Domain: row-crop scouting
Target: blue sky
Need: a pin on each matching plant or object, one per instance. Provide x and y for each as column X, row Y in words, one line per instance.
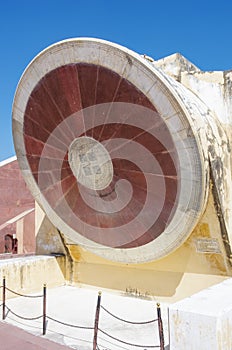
column 199, row 30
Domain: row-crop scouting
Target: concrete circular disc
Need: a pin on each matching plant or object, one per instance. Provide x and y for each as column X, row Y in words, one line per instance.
column 139, row 196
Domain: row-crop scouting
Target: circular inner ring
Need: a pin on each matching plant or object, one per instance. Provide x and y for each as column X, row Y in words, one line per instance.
column 90, row 163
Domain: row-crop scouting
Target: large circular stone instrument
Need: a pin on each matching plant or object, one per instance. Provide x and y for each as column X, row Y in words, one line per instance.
column 108, row 147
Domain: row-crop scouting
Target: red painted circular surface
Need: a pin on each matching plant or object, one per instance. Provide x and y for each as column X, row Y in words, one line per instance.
column 62, row 93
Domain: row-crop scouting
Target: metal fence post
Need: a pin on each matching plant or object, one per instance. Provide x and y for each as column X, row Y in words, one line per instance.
column 44, row 308
column 96, row 321
column 160, row 325
column 4, row 298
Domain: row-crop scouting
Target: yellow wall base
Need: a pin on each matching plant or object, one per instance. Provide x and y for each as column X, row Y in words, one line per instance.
column 180, row 274
column 192, row 267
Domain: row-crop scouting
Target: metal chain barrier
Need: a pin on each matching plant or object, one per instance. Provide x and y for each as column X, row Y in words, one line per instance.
column 96, row 328
column 126, row 321
column 97, row 314
column 68, row 324
column 44, row 315
column 24, row 295
column 124, row 342
column 22, row 317
column 5, row 307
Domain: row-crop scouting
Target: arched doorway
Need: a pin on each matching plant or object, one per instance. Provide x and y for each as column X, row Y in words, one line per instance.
column 11, row 244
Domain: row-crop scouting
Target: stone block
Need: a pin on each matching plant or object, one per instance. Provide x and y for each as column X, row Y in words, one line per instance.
column 204, row 320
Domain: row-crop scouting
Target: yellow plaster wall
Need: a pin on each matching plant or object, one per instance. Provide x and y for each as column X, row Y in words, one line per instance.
column 28, row 274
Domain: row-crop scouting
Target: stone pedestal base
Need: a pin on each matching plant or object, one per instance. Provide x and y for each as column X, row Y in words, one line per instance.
column 204, row 320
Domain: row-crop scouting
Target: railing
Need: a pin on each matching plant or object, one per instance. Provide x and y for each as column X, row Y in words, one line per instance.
column 95, row 328
column 4, row 306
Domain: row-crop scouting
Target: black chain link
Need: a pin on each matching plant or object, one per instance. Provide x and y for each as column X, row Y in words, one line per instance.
column 121, row 319
column 67, row 324
column 23, row 295
column 23, row 318
column 124, row 342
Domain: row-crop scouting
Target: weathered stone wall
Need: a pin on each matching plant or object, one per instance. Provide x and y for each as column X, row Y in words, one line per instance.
column 214, row 89
column 28, row 274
